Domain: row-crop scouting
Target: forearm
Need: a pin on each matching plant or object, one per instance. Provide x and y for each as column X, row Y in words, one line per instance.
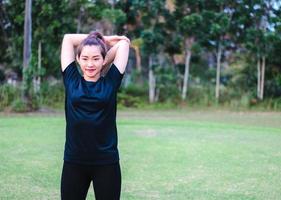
column 111, row 53
column 74, row 39
column 111, row 40
column 110, row 56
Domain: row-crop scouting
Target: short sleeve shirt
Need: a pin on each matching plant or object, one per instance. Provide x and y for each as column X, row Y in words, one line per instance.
column 90, row 112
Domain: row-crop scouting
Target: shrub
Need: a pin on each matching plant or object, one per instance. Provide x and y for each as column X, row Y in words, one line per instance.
column 7, row 95
column 200, row 95
column 125, row 100
column 132, row 96
column 52, row 95
column 166, row 85
column 18, row 105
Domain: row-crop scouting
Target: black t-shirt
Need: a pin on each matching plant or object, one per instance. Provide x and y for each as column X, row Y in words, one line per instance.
column 90, row 112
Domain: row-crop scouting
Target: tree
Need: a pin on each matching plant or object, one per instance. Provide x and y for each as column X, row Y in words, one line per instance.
column 152, row 37
column 217, row 20
column 3, row 33
column 27, row 48
column 188, row 15
column 259, row 37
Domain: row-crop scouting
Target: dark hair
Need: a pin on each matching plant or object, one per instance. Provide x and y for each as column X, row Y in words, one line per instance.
column 94, row 38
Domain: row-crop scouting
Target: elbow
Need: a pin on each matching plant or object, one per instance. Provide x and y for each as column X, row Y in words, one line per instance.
column 125, row 44
column 66, row 36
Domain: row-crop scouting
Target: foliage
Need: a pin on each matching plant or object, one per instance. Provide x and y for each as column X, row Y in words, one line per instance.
column 201, row 95
column 167, row 85
column 2, row 76
column 115, row 16
column 250, row 29
column 132, row 96
column 18, row 105
column 8, row 94
column 52, row 95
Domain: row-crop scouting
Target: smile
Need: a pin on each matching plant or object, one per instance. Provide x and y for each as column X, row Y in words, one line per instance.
column 90, row 70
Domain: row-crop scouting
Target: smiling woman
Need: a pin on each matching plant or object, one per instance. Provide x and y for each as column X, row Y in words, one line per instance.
column 91, row 152
column 91, row 62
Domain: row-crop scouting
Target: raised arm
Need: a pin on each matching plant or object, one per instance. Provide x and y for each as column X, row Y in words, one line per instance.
column 118, row 53
column 69, row 42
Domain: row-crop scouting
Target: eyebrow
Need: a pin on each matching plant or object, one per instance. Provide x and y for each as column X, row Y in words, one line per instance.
column 92, row 56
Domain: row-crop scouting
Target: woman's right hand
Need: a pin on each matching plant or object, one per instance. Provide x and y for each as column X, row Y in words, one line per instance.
column 112, row 40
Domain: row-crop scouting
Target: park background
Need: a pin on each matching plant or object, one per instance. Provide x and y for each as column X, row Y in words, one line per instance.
column 183, row 53
column 198, row 109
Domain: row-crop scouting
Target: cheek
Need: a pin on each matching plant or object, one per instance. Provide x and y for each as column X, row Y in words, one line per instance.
column 99, row 63
column 82, row 66
column 81, row 62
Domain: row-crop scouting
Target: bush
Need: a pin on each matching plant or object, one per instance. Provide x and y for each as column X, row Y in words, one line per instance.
column 135, row 90
column 136, row 96
column 200, row 95
column 269, row 104
column 166, row 85
column 125, row 100
column 19, row 106
column 49, row 95
column 52, row 95
column 132, row 96
column 34, row 102
column 7, row 95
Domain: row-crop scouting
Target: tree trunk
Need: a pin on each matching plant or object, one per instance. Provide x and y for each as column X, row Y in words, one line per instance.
column 262, row 77
column 2, row 21
column 37, row 83
column 152, row 82
column 188, row 45
column 79, row 19
column 27, row 48
column 113, row 3
column 258, row 78
column 218, row 71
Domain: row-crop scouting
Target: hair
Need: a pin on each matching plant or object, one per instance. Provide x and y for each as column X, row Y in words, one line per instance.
column 94, row 38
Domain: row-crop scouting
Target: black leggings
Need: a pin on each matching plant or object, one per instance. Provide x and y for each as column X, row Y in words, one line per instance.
column 76, row 179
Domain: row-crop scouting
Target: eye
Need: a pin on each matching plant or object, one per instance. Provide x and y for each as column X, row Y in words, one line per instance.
column 84, row 59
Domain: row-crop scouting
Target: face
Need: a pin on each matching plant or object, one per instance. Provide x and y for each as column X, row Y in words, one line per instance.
column 91, row 62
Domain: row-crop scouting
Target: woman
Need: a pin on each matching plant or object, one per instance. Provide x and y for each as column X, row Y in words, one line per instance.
column 91, row 152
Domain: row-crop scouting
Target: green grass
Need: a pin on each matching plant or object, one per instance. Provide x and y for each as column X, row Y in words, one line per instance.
column 175, row 155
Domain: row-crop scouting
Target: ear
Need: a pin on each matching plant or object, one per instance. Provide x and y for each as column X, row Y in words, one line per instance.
column 77, row 59
column 104, row 62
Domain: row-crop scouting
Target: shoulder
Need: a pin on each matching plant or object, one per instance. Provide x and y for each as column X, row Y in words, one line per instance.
column 70, row 73
column 114, row 72
column 114, row 75
column 69, row 67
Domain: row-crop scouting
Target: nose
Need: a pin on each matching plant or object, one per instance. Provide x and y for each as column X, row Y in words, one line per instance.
column 90, row 64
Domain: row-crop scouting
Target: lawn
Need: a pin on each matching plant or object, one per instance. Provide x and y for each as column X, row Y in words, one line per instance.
column 177, row 155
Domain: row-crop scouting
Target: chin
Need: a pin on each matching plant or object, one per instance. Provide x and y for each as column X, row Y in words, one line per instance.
column 91, row 75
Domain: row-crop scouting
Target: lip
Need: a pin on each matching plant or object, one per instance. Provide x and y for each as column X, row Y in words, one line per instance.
column 90, row 70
